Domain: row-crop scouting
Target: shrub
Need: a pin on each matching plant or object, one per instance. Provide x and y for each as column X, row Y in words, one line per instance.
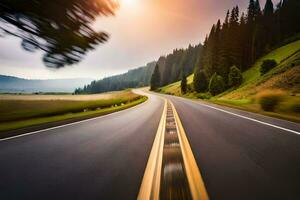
column 267, row 65
column 269, row 99
column 295, row 107
column 190, row 88
column 203, row 96
column 200, row 81
column 235, row 77
column 216, row 85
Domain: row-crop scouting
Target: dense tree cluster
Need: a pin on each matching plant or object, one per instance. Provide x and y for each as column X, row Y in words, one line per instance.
column 242, row 38
column 200, row 81
column 134, row 78
column 60, row 28
column 180, row 61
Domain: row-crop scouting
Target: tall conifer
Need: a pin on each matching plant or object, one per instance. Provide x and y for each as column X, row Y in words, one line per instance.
column 155, row 79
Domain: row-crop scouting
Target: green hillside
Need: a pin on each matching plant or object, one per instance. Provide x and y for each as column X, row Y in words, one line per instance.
column 285, row 76
column 288, row 58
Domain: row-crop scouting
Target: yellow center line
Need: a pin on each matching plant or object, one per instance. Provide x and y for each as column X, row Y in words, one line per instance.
column 150, row 187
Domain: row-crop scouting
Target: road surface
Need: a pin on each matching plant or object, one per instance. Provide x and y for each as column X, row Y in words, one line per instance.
column 240, row 158
column 104, row 158
column 240, row 155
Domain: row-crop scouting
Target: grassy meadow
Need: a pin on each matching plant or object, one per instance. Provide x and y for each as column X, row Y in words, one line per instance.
column 18, row 111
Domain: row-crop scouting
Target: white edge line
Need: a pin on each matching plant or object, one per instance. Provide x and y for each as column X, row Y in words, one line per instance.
column 248, row 118
column 73, row 123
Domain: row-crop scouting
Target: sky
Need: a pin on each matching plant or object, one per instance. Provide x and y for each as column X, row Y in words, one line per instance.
column 140, row 32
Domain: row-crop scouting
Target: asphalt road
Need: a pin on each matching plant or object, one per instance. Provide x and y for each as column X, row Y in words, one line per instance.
column 105, row 158
column 241, row 159
column 101, row 159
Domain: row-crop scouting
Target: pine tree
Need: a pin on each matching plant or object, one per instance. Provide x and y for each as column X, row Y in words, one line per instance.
column 209, row 55
column 63, row 29
column 235, row 77
column 269, row 8
column 259, row 33
column 216, row 84
column 183, row 84
column 234, row 50
column 224, row 47
column 216, row 47
column 257, row 8
column 268, row 23
column 251, row 14
column 200, row 81
column 203, row 52
column 243, row 44
column 155, row 79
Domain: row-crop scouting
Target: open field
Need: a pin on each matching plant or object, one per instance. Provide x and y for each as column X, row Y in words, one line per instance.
column 17, row 112
column 69, row 97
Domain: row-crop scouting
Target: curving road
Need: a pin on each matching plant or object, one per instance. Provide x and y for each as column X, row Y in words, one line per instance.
column 240, row 155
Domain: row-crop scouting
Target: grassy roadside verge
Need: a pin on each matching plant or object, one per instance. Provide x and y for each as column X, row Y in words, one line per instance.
column 250, row 106
column 14, row 125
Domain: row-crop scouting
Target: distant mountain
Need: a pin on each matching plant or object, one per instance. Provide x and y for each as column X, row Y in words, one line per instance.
column 133, row 78
column 11, row 84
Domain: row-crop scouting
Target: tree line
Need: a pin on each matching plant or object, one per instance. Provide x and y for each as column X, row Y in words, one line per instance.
column 139, row 77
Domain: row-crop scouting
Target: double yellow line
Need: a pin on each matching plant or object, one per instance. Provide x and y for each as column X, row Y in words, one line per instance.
column 150, row 187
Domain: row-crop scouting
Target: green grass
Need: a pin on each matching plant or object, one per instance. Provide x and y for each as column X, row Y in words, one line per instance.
column 279, row 55
column 236, row 102
column 19, row 114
